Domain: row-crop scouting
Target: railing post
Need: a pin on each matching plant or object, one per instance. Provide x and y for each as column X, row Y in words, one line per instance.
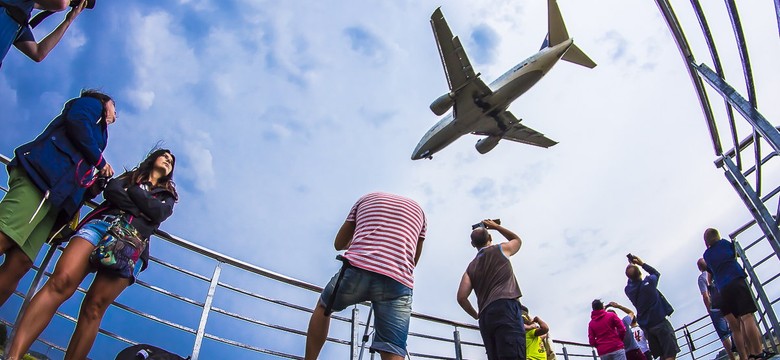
column 565, row 353
column 204, row 317
column 595, row 356
column 34, row 287
column 353, row 347
column 458, row 350
column 689, row 340
column 765, row 303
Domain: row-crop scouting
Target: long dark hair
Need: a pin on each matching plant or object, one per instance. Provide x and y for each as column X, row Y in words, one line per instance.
column 141, row 172
column 103, row 97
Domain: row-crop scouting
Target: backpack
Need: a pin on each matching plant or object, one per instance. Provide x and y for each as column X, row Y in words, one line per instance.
column 148, row 352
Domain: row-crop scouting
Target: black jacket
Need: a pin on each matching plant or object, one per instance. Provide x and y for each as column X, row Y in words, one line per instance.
column 149, row 208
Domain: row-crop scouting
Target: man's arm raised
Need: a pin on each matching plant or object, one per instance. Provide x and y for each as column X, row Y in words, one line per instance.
column 512, row 246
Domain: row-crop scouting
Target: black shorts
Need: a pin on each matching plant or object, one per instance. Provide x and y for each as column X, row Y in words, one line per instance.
column 502, row 330
column 737, row 299
column 662, row 341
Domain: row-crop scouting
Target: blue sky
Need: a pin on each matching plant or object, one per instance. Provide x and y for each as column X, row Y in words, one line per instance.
column 282, row 114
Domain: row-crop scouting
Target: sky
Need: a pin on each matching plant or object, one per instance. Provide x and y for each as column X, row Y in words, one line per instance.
column 282, row 114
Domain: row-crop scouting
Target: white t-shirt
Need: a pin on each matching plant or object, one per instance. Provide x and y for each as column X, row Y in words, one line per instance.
column 641, row 339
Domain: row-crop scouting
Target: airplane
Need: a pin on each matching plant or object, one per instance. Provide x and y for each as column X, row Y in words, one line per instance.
column 480, row 109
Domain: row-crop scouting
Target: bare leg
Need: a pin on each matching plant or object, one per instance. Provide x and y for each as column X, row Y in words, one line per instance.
column 14, row 267
column 739, row 336
column 71, row 269
column 727, row 345
column 103, row 291
column 390, row 356
column 317, row 332
column 752, row 334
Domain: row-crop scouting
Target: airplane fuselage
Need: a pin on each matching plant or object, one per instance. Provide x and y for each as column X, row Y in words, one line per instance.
column 505, row 89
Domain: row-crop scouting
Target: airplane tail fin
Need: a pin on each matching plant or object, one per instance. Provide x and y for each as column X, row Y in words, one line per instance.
column 556, row 29
column 557, row 34
column 576, row 56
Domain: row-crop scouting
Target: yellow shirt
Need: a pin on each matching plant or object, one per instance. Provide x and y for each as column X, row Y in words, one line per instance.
column 534, row 347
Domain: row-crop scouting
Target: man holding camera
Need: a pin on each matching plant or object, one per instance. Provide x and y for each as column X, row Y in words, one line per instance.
column 383, row 235
column 651, row 308
column 37, row 51
column 14, row 16
column 491, row 277
column 736, row 300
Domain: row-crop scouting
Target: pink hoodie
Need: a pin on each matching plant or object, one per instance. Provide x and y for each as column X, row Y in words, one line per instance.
column 605, row 332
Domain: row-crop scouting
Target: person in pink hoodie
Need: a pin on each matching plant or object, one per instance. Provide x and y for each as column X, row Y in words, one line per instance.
column 606, row 332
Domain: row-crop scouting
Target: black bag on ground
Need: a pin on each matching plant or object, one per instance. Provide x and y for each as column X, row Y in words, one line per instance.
column 149, row 352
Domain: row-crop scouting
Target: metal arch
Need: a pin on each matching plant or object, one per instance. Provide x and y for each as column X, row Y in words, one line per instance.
column 705, row 28
column 685, row 51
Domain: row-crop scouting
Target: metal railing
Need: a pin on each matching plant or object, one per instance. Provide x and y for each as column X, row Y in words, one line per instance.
column 345, row 340
column 217, row 277
column 752, row 144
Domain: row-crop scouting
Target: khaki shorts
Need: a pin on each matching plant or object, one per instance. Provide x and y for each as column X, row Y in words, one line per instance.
column 18, row 207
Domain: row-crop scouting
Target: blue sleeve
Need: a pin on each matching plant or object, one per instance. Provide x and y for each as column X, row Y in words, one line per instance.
column 81, row 121
column 25, row 35
column 654, row 274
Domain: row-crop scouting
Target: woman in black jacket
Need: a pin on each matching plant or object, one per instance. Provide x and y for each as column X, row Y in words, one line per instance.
column 145, row 197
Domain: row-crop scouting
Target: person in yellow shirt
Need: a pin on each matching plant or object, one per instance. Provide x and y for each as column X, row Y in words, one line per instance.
column 534, row 329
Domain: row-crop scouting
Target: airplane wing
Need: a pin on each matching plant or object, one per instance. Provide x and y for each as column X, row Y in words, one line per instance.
column 457, row 66
column 514, row 131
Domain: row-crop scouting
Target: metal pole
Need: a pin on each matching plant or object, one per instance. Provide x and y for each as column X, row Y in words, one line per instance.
column 365, row 334
column 757, row 208
column 205, row 314
column 355, row 323
column 595, row 357
column 689, row 340
column 566, row 353
column 765, row 303
column 458, row 350
column 34, row 287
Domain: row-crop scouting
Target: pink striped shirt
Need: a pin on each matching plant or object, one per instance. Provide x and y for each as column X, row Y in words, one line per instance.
column 386, row 233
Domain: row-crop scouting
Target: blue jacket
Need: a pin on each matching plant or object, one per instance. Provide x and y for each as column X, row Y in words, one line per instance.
column 651, row 306
column 69, row 147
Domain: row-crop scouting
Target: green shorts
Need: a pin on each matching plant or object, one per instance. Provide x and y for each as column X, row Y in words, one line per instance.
column 18, row 207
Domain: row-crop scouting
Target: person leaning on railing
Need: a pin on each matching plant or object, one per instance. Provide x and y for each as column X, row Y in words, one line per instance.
column 47, row 180
column 14, row 15
column 144, row 197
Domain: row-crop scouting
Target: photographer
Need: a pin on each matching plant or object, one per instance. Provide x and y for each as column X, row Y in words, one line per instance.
column 491, row 277
column 14, row 16
column 535, row 330
column 651, row 308
column 606, row 333
column 37, row 51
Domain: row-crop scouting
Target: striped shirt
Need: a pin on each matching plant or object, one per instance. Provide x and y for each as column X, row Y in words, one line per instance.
column 386, row 233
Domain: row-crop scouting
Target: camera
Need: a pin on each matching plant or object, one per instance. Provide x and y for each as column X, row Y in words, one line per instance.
column 630, row 257
column 482, row 225
column 90, row 3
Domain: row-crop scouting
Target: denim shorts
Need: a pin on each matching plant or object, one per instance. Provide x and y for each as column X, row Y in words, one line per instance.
column 391, row 301
column 720, row 324
column 94, row 231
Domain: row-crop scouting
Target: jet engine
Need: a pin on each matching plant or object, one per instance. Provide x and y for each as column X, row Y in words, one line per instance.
column 443, row 103
column 487, row 144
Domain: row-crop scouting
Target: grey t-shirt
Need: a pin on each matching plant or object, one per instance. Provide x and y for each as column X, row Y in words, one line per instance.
column 629, row 343
column 703, row 287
